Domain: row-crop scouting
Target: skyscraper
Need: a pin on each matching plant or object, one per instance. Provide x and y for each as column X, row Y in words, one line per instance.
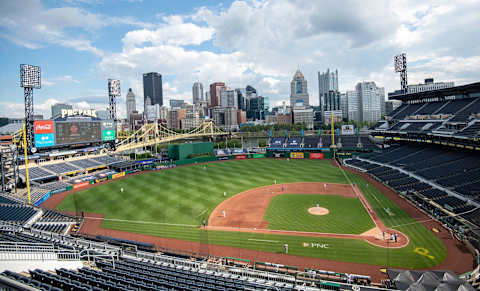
column 197, row 92
column 327, row 81
column 215, row 93
column 299, row 90
column 370, row 99
column 228, row 98
column 152, row 87
column 131, row 105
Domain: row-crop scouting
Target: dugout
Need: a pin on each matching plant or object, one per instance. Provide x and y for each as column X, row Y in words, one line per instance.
column 126, row 166
column 189, row 150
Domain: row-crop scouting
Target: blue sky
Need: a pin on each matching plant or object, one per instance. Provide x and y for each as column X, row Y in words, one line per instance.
column 80, row 44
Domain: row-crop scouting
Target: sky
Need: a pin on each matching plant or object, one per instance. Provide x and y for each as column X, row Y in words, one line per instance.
column 80, row 44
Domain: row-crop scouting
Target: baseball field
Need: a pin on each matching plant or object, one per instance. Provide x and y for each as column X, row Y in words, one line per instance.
column 174, row 203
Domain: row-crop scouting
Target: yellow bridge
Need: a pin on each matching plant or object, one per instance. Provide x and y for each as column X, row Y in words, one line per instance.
column 154, row 133
column 150, row 134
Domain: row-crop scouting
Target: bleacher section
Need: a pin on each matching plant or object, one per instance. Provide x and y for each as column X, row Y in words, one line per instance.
column 471, row 131
column 86, row 164
column 277, row 142
column 17, row 214
column 294, row 142
column 410, row 109
column 455, row 170
column 106, row 160
column 53, row 185
column 6, row 200
column 53, row 216
column 311, row 142
column 61, row 168
column 55, row 228
column 37, row 173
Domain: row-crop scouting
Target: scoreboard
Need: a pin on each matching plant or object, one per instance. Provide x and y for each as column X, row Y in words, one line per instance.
column 50, row 133
column 77, row 132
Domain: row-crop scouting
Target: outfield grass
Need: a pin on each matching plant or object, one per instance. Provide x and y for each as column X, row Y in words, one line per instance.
column 152, row 201
column 290, row 212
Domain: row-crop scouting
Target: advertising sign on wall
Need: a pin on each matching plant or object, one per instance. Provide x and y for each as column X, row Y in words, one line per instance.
column 299, row 155
column 258, row 156
column 118, row 175
column 80, row 185
column 240, row 157
column 44, row 140
column 108, row 134
column 316, row 156
column 348, row 129
column 43, row 126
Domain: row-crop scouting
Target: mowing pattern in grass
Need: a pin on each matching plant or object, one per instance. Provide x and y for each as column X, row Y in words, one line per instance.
column 290, row 212
column 180, row 196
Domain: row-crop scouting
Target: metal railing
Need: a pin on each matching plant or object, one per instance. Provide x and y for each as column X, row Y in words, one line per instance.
column 18, row 251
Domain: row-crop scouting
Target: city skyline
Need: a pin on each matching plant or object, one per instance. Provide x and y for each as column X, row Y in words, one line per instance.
column 83, row 43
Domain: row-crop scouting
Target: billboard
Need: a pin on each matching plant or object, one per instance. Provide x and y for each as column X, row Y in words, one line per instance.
column 43, row 126
column 44, row 140
column 348, row 129
column 77, row 132
column 299, row 155
column 316, row 156
column 108, row 134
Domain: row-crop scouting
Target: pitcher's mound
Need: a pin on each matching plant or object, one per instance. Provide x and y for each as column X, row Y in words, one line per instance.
column 318, row 211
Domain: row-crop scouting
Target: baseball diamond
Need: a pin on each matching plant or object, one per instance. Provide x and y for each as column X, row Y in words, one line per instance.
column 168, row 208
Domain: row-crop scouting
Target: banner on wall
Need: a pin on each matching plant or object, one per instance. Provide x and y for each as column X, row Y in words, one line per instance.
column 80, row 185
column 316, row 156
column 299, row 155
column 118, row 175
column 240, row 157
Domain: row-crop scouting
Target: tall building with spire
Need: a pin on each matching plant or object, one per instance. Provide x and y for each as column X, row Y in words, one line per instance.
column 131, row 103
column 197, row 92
column 299, row 90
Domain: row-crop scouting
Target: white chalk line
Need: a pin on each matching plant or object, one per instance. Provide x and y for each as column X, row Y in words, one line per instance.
column 264, row 240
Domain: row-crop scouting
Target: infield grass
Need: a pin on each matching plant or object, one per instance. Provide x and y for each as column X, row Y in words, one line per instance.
column 156, row 202
column 290, row 212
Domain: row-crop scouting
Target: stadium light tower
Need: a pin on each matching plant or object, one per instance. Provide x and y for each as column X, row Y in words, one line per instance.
column 400, row 62
column 30, row 78
column 113, row 93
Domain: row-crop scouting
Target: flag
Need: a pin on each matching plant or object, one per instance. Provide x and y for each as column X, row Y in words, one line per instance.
column 302, row 132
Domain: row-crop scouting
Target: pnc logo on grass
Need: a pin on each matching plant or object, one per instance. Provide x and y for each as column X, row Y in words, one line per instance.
column 315, row 245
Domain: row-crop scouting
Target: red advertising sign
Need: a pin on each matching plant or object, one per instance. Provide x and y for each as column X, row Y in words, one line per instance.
column 316, row 156
column 240, row 157
column 80, row 185
column 43, row 126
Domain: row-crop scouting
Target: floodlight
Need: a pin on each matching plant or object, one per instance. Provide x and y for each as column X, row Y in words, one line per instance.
column 113, row 87
column 30, row 76
column 400, row 63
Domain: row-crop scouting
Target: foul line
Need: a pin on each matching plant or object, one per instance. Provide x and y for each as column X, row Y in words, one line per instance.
column 139, row 221
column 202, row 212
column 265, row 240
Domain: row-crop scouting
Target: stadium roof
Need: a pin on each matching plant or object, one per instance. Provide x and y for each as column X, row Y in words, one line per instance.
column 467, row 90
column 411, row 280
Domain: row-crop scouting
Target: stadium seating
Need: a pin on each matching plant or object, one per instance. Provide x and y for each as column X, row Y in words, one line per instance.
column 311, row 142
column 106, row 160
column 36, row 173
column 277, row 142
column 294, row 142
column 16, row 213
column 55, row 228
column 61, row 168
column 407, row 111
column 86, row 163
column 53, row 185
column 327, row 141
column 349, row 141
column 53, row 216
column 6, row 200
column 471, row 131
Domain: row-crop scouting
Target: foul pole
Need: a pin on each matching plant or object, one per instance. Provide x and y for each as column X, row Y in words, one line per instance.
column 333, row 134
column 26, row 161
